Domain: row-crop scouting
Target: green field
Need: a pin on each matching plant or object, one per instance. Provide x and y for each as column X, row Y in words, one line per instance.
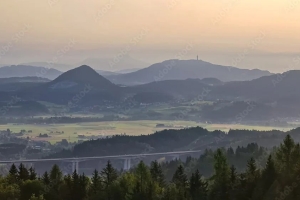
column 57, row 132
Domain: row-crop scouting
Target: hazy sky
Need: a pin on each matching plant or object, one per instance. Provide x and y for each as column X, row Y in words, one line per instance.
column 246, row 33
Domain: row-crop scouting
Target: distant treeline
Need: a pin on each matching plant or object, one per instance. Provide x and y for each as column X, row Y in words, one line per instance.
column 196, row 138
column 57, row 120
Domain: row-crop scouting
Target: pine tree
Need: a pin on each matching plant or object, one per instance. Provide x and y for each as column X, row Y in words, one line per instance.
column 284, row 158
column 234, row 181
column 108, row 176
column 233, row 175
column 251, row 177
column 56, row 179
column 32, row 174
column 143, row 181
column 75, row 190
column 96, row 183
column 46, row 181
column 23, row 173
column 251, row 170
column 45, row 178
column 180, row 178
column 55, row 174
column 13, row 170
column 221, row 184
column 198, row 187
column 13, row 174
column 170, row 192
column 269, row 176
column 157, row 173
column 82, row 187
column 181, row 182
column 68, row 188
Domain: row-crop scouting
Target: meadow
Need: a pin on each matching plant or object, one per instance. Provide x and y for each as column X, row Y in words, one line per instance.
column 71, row 132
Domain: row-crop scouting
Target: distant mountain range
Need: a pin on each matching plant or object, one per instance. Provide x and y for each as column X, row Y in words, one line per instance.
column 185, row 69
column 44, row 72
column 25, row 71
column 167, row 70
column 113, row 63
column 125, row 64
column 83, row 86
column 169, row 84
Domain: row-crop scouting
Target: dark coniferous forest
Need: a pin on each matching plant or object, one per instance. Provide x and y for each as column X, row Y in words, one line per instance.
column 278, row 178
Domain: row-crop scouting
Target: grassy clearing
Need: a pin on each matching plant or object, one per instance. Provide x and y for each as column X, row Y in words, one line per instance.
column 57, row 132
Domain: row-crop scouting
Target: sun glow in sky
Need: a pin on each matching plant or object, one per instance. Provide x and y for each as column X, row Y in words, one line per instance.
column 219, row 30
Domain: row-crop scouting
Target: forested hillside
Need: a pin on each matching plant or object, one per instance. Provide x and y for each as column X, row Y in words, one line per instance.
column 196, row 138
column 277, row 179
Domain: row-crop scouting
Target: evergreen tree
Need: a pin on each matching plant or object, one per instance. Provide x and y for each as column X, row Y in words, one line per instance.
column 198, row 187
column 268, row 179
column 13, row 174
column 75, row 188
column 95, row 188
column 251, row 170
column 13, row 171
column 234, row 183
column 83, row 184
column 233, row 175
column 171, row 192
column 46, row 181
column 252, row 177
column 108, row 176
column 32, row 174
column 67, row 188
column 221, row 177
column 29, row 188
column 157, row 173
column 45, row 178
column 23, row 173
column 56, row 179
column 142, row 182
column 181, row 182
column 284, row 158
column 55, row 174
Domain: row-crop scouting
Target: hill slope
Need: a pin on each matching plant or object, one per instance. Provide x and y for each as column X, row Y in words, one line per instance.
column 272, row 87
column 189, row 88
column 185, row 69
column 81, row 77
column 20, row 83
column 28, row 79
column 82, row 84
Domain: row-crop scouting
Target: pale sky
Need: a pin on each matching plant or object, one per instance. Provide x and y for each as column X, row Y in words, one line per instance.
column 258, row 33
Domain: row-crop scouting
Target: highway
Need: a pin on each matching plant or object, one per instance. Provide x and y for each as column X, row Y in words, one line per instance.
column 100, row 157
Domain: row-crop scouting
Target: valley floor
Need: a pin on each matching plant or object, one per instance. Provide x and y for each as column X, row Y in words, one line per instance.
column 93, row 130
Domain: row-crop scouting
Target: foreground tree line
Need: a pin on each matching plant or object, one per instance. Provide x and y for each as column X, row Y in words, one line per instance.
column 278, row 179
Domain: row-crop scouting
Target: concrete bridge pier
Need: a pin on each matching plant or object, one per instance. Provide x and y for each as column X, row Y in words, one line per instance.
column 75, row 166
column 127, row 164
column 175, row 157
